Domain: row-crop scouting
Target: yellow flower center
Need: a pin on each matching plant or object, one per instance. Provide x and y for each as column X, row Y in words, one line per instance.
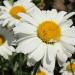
column 70, row 68
column 49, row 32
column 2, row 40
column 15, row 10
column 40, row 73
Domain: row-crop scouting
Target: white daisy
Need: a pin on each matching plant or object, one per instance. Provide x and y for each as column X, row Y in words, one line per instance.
column 68, row 68
column 9, row 15
column 43, row 71
column 49, row 34
column 5, row 40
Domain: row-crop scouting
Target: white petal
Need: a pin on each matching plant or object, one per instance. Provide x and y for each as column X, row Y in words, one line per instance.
column 60, row 16
column 28, row 46
column 3, row 8
column 5, row 22
column 25, row 3
column 70, row 48
column 7, row 4
column 31, row 62
column 10, row 24
column 25, row 0
column 3, row 54
column 7, row 49
column 49, row 66
column 44, row 13
column 62, row 57
column 24, row 28
column 3, row 16
column 27, row 18
column 52, row 50
column 70, row 32
column 36, row 13
column 53, row 14
column 69, row 40
column 68, row 16
column 38, row 53
column 46, row 71
column 65, row 25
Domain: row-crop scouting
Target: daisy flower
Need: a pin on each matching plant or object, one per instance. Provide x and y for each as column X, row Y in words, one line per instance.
column 6, row 38
column 9, row 15
column 49, row 33
column 68, row 68
column 43, row 71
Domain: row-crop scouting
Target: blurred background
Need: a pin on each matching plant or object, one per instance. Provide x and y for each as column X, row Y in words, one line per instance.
column 16, row 65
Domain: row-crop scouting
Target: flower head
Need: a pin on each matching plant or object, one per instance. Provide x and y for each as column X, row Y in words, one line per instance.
column 68, row 68
column 9, row 15
column 6, row 37
column 49, row 34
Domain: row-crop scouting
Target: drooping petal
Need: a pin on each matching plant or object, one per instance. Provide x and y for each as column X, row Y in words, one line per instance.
column 28, row 46
column 38, row 53
column 27, row 18
column 24, row 28
column 62, row 57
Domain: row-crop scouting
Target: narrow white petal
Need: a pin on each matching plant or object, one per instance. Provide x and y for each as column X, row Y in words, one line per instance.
column 31, row 62
column 5, row 22
column 48, row 66
column 70, row 32
column 62, row 57
column 3, row 8
column 52, row 50
column 24, row 28
column 44, row 13
column 36, row 13
column 10, row 24
column 27, row 18
column 68, row 47
column 3, row 54
column 25, row 0
column 53, row 14
column 60, row 16
column 28, row 46
column 68, row 16
column 46, row 71
column 7, row 4
column 3, row 16
column 69, row 40
column 65, row 25
column 38, row 53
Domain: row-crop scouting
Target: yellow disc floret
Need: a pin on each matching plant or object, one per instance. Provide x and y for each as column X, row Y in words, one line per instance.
column 40, row 73
column 2, row 40
column 70, row 68
column 49, row 31
column 15, row 10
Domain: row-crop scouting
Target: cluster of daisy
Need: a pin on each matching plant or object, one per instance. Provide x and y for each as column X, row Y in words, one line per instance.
column 41, row 34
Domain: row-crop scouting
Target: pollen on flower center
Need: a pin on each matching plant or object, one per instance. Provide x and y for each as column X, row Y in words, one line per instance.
column 49, row 32
column 40, row 73
column 2, row 40
column 70, row 68
column 15, row 10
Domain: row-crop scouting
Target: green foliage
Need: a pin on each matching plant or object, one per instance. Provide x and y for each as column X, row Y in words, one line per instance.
column 16, row 65
column 36, row 1
column 11, row 1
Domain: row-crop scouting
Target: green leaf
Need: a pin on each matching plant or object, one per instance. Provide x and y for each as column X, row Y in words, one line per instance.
column 11, row 1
